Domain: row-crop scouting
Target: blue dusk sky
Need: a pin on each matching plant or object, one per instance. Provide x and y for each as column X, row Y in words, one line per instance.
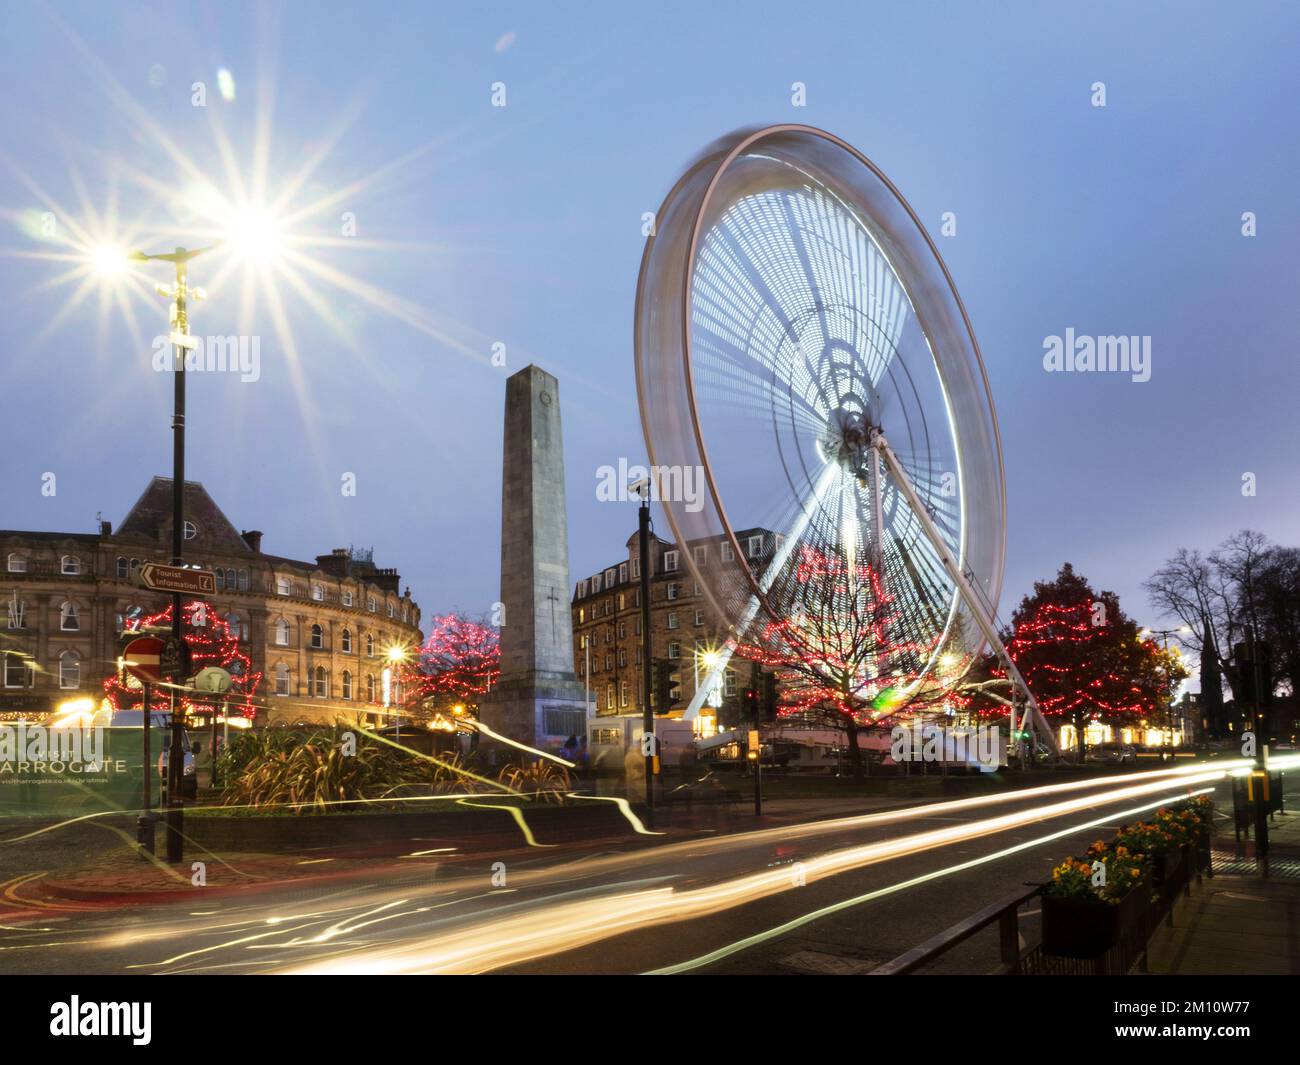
column 521, row 225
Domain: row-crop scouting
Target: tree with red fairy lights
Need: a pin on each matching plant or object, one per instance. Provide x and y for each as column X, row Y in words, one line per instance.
column 835, row 654
column 457, row 665
column 1083, row 657
column 211, row 643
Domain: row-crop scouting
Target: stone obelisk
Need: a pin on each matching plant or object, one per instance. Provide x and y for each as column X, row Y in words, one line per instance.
column 538, row 701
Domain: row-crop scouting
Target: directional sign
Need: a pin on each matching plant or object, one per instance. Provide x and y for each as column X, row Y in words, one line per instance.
column 141, row 657
column 178, row 579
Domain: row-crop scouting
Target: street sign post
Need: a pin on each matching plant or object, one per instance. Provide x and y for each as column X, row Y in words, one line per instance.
column 178, row 579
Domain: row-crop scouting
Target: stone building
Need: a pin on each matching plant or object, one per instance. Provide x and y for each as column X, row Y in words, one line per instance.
column 684, row 629
column 320, row 632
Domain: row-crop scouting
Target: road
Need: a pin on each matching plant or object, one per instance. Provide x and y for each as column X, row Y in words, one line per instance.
column 835, row 895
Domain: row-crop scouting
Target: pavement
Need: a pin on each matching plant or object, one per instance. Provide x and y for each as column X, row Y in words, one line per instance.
column 1239, row 922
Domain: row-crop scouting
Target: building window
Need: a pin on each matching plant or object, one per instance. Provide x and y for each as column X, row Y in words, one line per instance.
column 670, row 561
column 370, row 604
column 346, row 640
column 370, row 688
column 370, row 645
column 123, row 569
column 70, row 565
column 321, row 685
column 238, row 629
column 406, row 613
column 220, row 575
column 17, row 563
column 283, row 586
column 69, row 670
column 347, row 596
column 609, row 696
column 317, row 638
column 622, row 658
column 69, row 618
column 636, row 568
column 674, row 650
column 18, row 673
column 755, row 547
column 281, row 635
column 699, row 617
column 243, row 580
column 622, row 693
column 392, row 610
column 622, row 572
column 17, row 613
column 701, row 555
column 595, row 584
column 672, row 590
column 726, row 552
column 230, row 579
column 622, row 601
column 347, row 685
column 609, row 578
column 609, row 661
column 729, row 682
column 582, row 588
column 318, row 593
column 672, row 619
column 281, row 679
column 622, row 630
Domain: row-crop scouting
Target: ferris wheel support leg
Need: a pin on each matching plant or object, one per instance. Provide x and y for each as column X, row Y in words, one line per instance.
column 1033, row 714
column 877, row 518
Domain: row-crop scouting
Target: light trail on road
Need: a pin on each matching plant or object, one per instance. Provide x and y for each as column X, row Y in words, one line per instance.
column 847, row 904
column 551, row 928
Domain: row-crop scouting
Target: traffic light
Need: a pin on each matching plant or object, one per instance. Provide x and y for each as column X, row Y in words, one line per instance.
column 1248, row 665
column 753, row 694
column 770, row 697
column 665, row 689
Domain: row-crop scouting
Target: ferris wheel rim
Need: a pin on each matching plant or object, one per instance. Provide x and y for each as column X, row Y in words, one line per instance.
column 743, row 145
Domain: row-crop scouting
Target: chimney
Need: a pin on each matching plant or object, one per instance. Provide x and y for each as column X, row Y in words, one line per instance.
column 253, row 538
column 105, row 528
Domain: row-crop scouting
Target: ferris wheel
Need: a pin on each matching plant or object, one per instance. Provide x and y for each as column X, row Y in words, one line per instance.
column 800, row 342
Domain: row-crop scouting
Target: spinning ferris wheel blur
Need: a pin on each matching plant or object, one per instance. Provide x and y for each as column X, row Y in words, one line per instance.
column 799, row 339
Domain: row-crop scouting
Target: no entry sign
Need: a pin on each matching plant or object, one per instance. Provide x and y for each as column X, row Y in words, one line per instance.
column 142, row 658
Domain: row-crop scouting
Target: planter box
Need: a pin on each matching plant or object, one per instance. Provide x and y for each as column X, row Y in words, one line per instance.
column 1085, row 928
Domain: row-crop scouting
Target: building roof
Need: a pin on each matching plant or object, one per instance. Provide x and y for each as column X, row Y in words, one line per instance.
column 152, row 514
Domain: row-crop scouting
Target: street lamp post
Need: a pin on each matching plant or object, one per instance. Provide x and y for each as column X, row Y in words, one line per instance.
column 181, row 342
column 648, row 738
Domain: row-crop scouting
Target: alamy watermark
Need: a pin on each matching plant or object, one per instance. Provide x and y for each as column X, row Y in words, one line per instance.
column 36, row 752
column 216, row 354
column 668, row 484
column 1074, row 353
column 980, row 746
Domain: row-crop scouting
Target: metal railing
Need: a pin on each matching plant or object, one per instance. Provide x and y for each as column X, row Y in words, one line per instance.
column 1129, row 954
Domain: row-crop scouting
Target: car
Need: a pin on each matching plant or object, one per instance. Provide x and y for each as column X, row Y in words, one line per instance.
column 1112, row 754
